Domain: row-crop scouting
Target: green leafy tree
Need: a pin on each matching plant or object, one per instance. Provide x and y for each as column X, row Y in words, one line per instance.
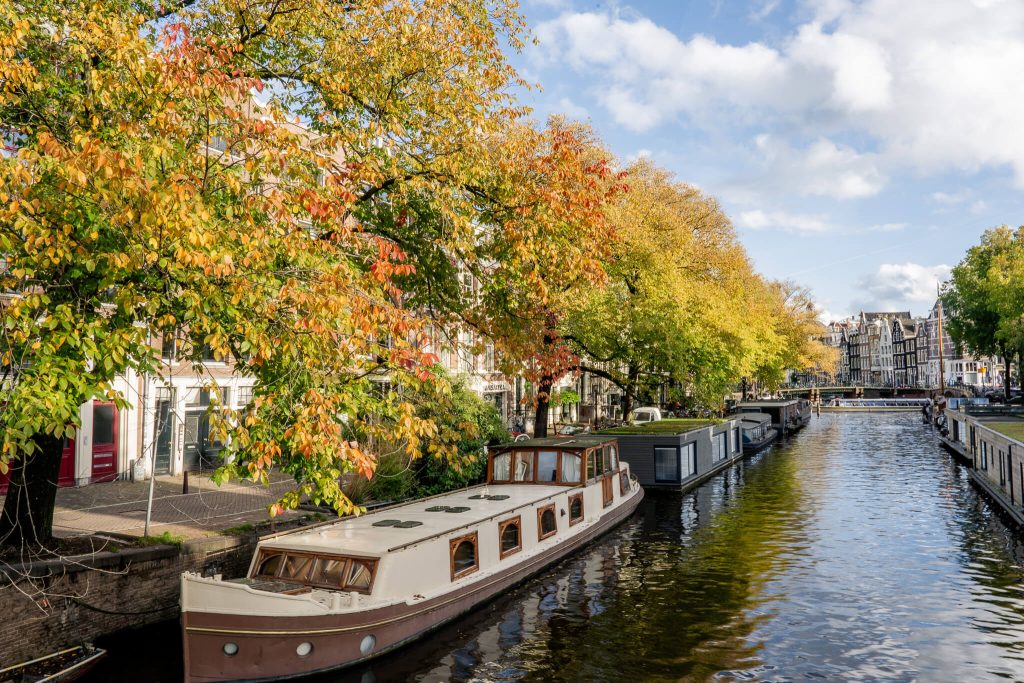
column 980, row 300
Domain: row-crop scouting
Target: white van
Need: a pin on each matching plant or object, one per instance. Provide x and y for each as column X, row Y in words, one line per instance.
column 644, row 415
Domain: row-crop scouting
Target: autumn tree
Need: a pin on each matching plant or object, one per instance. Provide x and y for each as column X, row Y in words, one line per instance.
column 793, row 338
column 672, row 309
column 151, row 189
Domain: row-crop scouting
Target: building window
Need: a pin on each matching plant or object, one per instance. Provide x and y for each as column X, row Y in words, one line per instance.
column 510, row 536
column 575, row 509
column 666, row 464
column 464, row 556
column 570, row 468
column 244, row 396
column 547, row 465
column 547, row 524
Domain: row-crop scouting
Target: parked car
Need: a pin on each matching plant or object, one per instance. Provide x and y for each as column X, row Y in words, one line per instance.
column 573, row 429
column 644, row 415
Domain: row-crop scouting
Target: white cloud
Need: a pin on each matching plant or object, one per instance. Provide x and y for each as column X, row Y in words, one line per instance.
column 951, row 198
column 781, row 220
column 823, row 168
column 572, row 110
column 900, row 286
column 929, row 84
column 886, row 227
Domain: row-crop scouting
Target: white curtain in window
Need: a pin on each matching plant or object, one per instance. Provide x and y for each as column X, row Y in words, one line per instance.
column 570, row 467
column 501, row 463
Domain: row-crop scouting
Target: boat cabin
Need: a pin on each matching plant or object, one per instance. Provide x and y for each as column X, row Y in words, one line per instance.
column 678, row 453
column 787, row 415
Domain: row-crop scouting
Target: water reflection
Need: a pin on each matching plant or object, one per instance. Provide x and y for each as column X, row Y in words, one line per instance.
column 857, row 550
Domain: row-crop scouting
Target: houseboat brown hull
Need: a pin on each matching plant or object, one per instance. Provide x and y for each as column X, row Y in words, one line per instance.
column 267, row 644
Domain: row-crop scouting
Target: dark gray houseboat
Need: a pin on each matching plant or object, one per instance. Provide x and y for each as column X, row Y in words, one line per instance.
column 788, row 414
column 679, row 453
column 757, row 431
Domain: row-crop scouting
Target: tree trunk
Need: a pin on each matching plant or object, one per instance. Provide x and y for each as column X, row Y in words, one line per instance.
column 27, row 517
column 540, row 421
column 629, row 392
column 1006, row 375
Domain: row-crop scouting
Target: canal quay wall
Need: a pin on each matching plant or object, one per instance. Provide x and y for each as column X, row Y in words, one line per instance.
column 994, row 458
column 52, row 604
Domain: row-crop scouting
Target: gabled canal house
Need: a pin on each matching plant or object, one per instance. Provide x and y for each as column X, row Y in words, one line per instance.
column 679, row 453
column 990, row 439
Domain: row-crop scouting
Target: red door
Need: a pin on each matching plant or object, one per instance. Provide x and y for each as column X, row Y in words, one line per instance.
column 66, row 476
column 104, row 442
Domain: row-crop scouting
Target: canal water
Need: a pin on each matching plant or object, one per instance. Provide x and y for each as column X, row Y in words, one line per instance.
column 857, row 550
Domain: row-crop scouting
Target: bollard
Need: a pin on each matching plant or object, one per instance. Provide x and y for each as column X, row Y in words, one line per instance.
column 184, row 483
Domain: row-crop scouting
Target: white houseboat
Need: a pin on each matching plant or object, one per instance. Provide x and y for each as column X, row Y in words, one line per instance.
column 331, row 596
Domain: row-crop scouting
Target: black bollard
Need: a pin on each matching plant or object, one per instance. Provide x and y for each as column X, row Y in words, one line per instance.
column 184, row 483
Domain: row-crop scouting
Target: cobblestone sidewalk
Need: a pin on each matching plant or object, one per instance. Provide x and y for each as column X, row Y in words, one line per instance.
column 120, row 506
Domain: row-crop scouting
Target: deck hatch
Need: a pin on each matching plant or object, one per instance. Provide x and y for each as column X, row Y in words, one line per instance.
column 438, row 508
column 493, row 496
column 457, row 508
column 408, row 524
column 387, row 522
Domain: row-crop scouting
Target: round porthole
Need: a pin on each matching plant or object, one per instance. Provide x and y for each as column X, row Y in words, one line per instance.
column 369, row 642
column 304, row 649
column 230, row 649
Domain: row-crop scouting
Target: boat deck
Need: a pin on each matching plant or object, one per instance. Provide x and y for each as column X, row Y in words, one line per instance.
column 376, row 534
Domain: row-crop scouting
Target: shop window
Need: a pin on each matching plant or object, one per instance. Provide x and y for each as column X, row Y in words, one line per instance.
column 570, row 468
column 510, row 535
column 524, row 466
column 500, row 471
column 547, row 465
column 547, row 524
column 575, row 509
column 464, row 559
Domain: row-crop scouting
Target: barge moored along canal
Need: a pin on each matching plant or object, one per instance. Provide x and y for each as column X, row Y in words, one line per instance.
column 857, row 550
column 324, row 598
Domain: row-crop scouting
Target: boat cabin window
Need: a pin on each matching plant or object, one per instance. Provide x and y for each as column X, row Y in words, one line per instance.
column 666, row 464
column 339, row 573
column 269, row 564
column 524, row 466
column 614, row 458
column 593, row 468
column 501, row 470
column 547, row 466
column 570, row 468
column 464, row 556
column 575, row 508
column 296, row 567
column 360, row 575
column 510, row 536
column 547, row 525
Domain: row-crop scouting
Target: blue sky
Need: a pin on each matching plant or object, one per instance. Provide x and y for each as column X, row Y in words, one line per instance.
column 859, row 147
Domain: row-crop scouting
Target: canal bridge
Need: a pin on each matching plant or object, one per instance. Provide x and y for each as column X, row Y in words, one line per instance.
column 869, row 391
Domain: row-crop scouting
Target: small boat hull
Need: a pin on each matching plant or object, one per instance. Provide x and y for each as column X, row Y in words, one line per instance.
column 59, row 667
column 270, row 643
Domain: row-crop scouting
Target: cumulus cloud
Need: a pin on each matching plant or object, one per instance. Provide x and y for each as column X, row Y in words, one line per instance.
column 900, row 286
column 929, row 84
column 823, row 168
column 803, row 224
column 572, row 110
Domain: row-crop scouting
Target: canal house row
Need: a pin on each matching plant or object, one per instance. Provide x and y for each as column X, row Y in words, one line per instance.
column 990, row 440
column 682, row 453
